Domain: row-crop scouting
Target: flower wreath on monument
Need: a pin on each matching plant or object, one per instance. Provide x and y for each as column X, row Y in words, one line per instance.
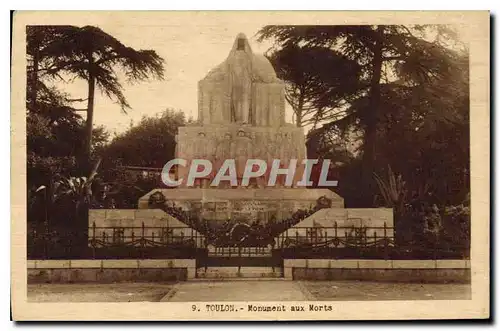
column 157, row 200
column 239, row 233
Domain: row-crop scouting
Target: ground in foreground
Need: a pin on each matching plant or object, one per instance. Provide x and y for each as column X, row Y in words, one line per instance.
column 352, row 291
column 251, row 290
column 118, row 292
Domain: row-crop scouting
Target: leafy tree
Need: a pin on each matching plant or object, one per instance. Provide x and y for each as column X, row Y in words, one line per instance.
column 55, row 129
column 55, row 132
column 393, row 60
column 37, row 40
column 317, row 80
column 53, row 143
column 91, row 54
column 124, row 188
column 150, row 143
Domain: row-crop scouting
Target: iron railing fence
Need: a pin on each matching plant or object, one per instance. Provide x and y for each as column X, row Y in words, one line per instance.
column 336, row 236
column 374, row 242
column 183, row 242
column 145, row 236
column 412, row 251
column 117, row 242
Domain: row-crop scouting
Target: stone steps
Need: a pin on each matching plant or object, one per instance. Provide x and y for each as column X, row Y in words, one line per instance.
column 239, row 272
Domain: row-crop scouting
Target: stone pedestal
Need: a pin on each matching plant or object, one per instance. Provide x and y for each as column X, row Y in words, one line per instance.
column 241, row 116
column 246, row 205
column 218, row 143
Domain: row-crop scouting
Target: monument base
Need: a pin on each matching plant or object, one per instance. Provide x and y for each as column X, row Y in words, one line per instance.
column 218, row 143
column 243, row 204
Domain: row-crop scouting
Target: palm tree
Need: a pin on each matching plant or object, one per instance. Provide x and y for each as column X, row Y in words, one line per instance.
column 393, row 190
column 77, row 189
column 64, row 192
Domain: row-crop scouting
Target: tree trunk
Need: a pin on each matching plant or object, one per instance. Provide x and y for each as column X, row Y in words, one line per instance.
column 371, row 122
column 90, row 112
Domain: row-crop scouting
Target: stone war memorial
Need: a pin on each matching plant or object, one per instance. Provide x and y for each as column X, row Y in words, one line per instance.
column 262, row 168
column 241, row 116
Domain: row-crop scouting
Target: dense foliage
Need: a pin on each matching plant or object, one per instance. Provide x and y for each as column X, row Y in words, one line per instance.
column 394, row 116
column 407, row 104
column 147, row 145
column 62, row 144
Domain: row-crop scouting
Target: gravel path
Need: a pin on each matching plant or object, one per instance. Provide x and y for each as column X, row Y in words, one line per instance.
column 351, row 290
column 118, row 292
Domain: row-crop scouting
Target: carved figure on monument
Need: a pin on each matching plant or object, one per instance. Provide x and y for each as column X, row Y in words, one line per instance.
column 242, row 150
column 240, row 81
column 204, row 149
column 188, row 147
column 244, row 89
column 222, row 153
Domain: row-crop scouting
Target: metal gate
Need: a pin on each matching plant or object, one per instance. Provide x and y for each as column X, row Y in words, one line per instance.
column 239, row 256
column 240, row 246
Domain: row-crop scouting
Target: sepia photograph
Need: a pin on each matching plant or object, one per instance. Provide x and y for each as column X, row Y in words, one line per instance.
column 245, row 165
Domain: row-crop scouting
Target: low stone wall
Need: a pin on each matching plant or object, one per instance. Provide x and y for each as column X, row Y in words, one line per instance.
column 158, row 225
column 109, row 271
column 431, row 271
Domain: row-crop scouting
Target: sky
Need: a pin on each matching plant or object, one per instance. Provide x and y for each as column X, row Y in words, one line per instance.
column 190, row 44
column 190, row 52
